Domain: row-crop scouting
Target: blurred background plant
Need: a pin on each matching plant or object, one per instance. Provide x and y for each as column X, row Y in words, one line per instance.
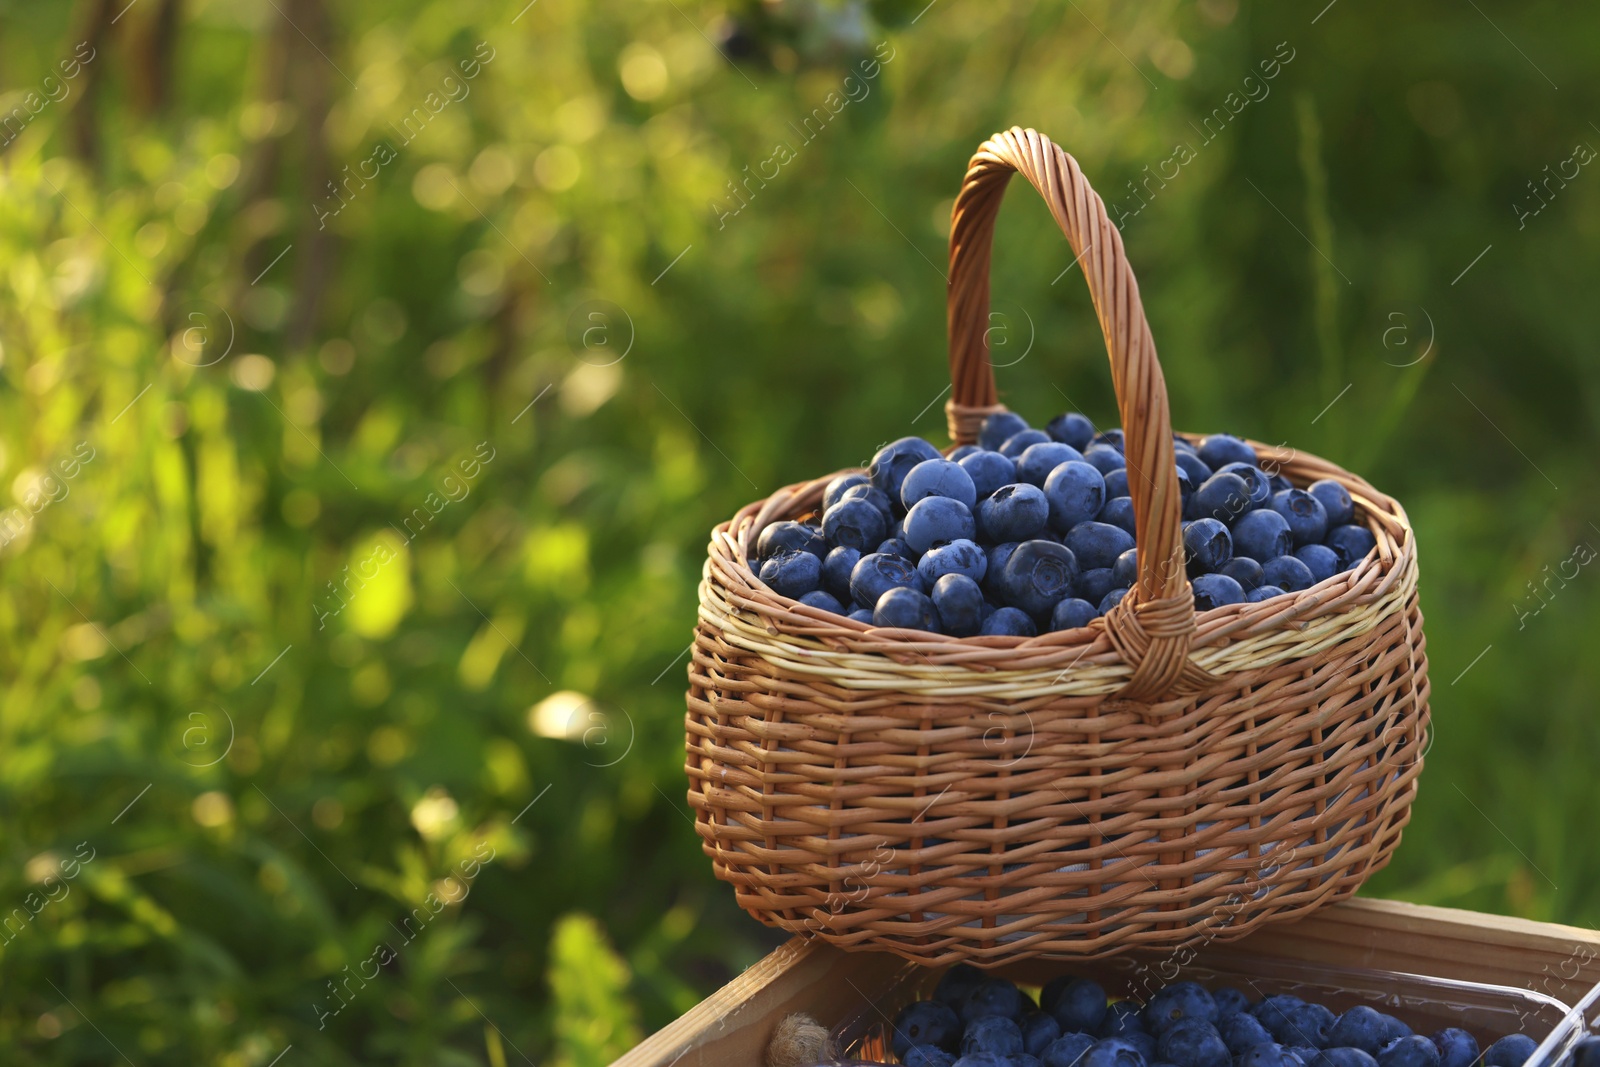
column 372, row 374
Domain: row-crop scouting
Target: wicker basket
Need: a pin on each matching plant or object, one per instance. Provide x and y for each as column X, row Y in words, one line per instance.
column 1159, row 778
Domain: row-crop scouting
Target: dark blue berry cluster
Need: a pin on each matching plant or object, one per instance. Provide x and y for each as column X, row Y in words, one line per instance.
column 975, row 1020
column 1032, row 530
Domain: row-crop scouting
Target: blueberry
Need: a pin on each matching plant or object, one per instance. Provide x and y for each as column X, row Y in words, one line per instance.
column 1094, row 584
column 992, row 997
column 1072, row 614
column 1078, row 1004
column 938, row 518
column 1039, row 1028
column 1192, row 465
column 1272, row 1012
column 1261, row 535
column 1343, row 1056
column 1113, row 1052
column 1230, row 1001
column 992, row 1033
column 1118, row 512
column 1410, row 1051
column 925, row 1022
column 1176, row 1003
column 1037, row 461
column 1352, row 543
column 1097, row 544
column 1194, row 1042
column 896, row 546
column 1457, row 1048
column 825, row 601
column 1014, row 446
column 1126, row 568
column 1278, row 482
column 862, row 615
column 1068, row 1050
column 874, row 496
column 1036, row 576
column 1268, row 1055
column 959, row 603
column 1586, row 1053
column 1207, row 545
column 1307, row 521
column 1009, row 622
column 1394, row 1029
column 1335, row 500
column 854, row 524
column 906, row 609
column 1076, row 491
column 998, row 554
column 1320, row 560
column 1222, row 496
column 1302, row 1024
column 958, row 981
column 999, row 426
column 1360, row 1028
column 927, row 1056
column 792, row 574
column 1104, row 458
column 1111, row 439
column 1241, row 1031
column 877, row 573
column 1221, row 449
column 1247, row 572
column 1286, row 572
column 1143, row 1042
column 1263, row 592
column 1512, row 1050
column 836, row 488
column 790, row 537
column 1117, row 483
column 952, row 557
column 1014, row 513
column 1121, row 1018
column 1216, row 591
column 983, row 1059
column 988, row 471
column 1071, row 429
column 1111, row 600
column 836, row 568
column 1258, row 484
column 937, row 477
column 895, row 460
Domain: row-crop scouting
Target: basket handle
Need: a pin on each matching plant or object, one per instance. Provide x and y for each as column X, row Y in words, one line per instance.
column 1152, row 627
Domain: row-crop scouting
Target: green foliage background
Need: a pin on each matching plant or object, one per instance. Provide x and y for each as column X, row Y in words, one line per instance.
column 270, row 787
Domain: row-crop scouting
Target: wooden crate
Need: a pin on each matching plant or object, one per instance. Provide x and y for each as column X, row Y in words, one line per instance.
column 731, row 1027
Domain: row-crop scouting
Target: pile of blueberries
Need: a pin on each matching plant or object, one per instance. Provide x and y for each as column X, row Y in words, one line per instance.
column 1032, row 530
column 974, row 1020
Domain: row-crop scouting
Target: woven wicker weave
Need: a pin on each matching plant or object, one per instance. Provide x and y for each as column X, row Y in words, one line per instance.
column 1156, row 779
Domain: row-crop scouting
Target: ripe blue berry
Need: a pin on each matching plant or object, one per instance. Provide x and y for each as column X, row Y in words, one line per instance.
column 790, row 537
column 1037, row 461
column 895, row 460
column 1245, row 571
column 1178, row 1002
column 1303, row 512
column 836, row 488
column 877, row 573
column 959, row 601
column 1241, row 1031
column 927, row 1056
column 1223, row 496
column 1410, row 1051
column 1114, row 1052
column 1036, row 576
column 1343, row 1056
column 937, row 477
column 1215, row 591
column 1258, row 484
column 1111, row 600
column 854, row 524
column 1067, row 1050
column 1111, row 439
column 1302, row 1025
column 1229, row 1000
column 1122, row 1018
column 1071, row 614
column 963, row 978
column 992, row 997
column 896, row 546
column 1335, row 500
column 925, row 1022
column 1261, row 535
column 1512, row 1050
column 1221, row 449
column 938, row 518
column 1014, row 446
column 1016, row 512
column 1117, row 483
column 862, row 615
column 1457, row 1048
column 1095, row 583
column 1192, row 465
column 1078, row 1004
column 1071, row 429
column 1097, row 544
column 1207, row 545
column 1268, row 1055
column 999, row 426
column 836, row 568
column 1352, row 543
column 792, row 574
column 1038, row 1030
column 1263, row 592
column 953, row 557
column 1076, row 491
column 1126, row 568
column 1320, row 560
column 995, row 1034
column 1194, row 1042
column 1104, row 458
column 1009, row 622
column 1286, row 572
column 988, row 471
column 1119, row 512
column 825, row 601
column 907, row 609
column 1361, row 1028
column 872, row 495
